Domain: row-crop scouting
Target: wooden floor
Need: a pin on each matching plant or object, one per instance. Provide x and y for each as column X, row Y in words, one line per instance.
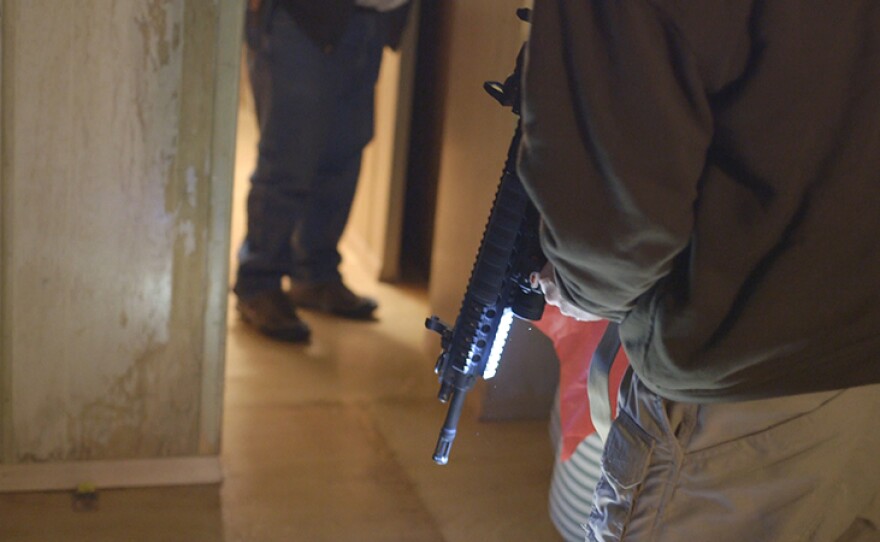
column 329, row 442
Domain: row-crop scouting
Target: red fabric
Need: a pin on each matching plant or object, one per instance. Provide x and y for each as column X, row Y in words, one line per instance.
column 575, row 342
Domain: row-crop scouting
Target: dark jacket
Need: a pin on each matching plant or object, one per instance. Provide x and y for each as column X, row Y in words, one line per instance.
column 324, row 20
column 709, row 174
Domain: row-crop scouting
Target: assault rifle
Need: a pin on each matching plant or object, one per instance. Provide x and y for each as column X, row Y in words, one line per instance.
column 500, row 285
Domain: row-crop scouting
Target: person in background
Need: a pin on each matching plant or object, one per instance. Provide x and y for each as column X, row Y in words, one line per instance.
column 708, row 174
column 313, row 66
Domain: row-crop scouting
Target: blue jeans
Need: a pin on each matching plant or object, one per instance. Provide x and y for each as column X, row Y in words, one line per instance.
column 315, row 114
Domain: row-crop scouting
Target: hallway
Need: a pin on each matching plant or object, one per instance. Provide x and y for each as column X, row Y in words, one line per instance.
column 327, row 442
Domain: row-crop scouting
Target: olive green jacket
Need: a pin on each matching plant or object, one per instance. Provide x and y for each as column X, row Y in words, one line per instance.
column 709, row 175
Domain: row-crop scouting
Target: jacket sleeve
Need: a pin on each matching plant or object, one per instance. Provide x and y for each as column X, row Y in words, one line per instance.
column 616, row 126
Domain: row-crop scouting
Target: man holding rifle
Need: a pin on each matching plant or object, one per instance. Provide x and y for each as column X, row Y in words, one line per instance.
column 708, row 175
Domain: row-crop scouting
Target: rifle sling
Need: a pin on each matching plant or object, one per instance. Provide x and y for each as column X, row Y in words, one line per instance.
column 597, row 382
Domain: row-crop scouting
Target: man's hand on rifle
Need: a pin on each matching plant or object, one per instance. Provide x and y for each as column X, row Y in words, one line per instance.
column 546, row 279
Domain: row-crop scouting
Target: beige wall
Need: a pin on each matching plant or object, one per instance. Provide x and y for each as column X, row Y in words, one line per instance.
column 485, row 38
column 117, row 128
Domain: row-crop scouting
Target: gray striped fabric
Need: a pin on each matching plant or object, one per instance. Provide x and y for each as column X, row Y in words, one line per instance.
column 571, row 489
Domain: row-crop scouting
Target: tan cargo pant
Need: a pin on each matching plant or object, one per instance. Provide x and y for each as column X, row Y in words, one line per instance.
column 792, row 469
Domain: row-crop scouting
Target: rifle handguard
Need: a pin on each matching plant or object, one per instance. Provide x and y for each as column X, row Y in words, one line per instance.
column 499, row 285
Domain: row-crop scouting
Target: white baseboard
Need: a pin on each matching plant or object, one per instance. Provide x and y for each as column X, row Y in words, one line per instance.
column 111, row 474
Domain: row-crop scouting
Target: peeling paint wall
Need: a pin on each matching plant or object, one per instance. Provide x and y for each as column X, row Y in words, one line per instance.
column 107, row 140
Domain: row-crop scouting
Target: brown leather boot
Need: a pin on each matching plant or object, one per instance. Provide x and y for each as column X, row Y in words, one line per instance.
column 333, row 298
column 272, row 314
